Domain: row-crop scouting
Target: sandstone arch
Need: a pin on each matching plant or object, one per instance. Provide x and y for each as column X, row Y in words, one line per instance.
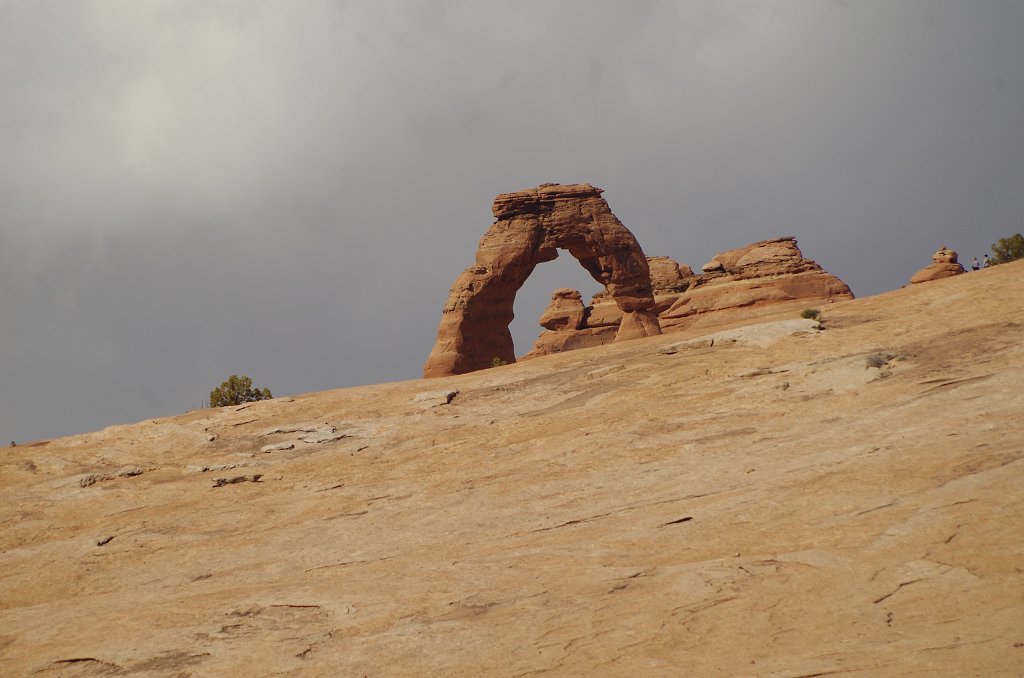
column 530, row 227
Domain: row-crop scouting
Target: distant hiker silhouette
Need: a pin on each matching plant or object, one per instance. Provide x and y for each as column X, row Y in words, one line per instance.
column 988, row 262
column 974, row 264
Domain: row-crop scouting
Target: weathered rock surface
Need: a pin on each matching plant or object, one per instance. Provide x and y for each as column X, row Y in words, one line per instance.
column 944, row 264
column 780, row 502
column 737, row 285
column 565, row 320
column 766, row 273
column 566, row 311
column 531, row 227
column 760, row 259
column 668, row 275
column 569, row 340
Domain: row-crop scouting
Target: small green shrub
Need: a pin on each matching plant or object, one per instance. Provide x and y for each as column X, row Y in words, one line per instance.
column 879, row 360
column 498, row 362
column 810, row 314
column 236, row 391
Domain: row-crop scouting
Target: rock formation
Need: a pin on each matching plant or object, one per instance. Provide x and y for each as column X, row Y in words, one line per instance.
column 944, row 264
column 668, row 275
column 754, row 280
column 761, row 274
column 565, row 320
column 564, row 339
column 530, row 227
column 565, row 312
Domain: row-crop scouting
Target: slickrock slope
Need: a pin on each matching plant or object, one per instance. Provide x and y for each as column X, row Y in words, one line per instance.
column 769, row 500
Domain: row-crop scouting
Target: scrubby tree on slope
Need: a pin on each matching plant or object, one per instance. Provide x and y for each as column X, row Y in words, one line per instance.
column 1008, row 249
column 237, row 390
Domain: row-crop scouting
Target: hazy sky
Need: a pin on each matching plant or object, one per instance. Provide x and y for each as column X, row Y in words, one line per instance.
column 287, row 189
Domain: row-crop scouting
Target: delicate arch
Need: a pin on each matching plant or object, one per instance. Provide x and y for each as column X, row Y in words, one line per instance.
column 530, row 227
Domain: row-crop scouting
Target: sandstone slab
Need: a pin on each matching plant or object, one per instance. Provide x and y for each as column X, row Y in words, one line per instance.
column 774, row 508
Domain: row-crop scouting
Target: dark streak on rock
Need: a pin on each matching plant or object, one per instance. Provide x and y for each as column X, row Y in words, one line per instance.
column 252, row 478
column 893, row 592
column 877, row 508
column 347, row 515
column 80, row 660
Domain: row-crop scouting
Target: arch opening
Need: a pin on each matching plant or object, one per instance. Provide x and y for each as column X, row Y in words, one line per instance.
column 534, row 297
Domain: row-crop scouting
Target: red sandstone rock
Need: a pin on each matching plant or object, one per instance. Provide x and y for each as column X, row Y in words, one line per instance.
column 764, row 273
column 531, row 226
column 565, row 312
column 738, row 284
column 668, row 279
column 638, row 325
column 668, row 275
column 759, row 259
column 603, row 313
column 565, row 320
column 944, row 264
column 557, row 342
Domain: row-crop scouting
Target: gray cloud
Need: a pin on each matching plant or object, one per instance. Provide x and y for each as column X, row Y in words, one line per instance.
column 287, row 189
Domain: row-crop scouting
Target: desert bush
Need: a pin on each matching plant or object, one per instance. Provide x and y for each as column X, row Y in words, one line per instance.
column 498, row 362
column 879, row 360
column 1008, row 249
column 237, row 390
column 810, row 314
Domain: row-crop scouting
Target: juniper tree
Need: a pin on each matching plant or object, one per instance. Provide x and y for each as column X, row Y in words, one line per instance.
column 237, row 390
column 1008, row 249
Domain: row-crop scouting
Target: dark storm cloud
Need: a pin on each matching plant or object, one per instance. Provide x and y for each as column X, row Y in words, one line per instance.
column 287, row 189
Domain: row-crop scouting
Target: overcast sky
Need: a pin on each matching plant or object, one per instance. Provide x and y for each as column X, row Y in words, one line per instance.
column 287, row 189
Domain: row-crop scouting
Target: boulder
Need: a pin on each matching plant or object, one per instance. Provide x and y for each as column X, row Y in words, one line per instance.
column 566, row 311
column 668, row 275
column 944, row 264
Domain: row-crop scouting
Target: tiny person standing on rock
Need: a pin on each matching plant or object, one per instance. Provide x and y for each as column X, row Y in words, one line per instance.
column 974, row 264
column 988, row 262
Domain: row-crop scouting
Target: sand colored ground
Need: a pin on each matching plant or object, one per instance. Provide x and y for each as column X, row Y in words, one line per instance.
column 769, row 500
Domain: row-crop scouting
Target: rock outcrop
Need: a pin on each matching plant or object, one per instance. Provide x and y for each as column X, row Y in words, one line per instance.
column 530, row 227
column 762, row 274
column 668, row 275
column 944, row 264
column 565, row 320
column 758, row 279
column 566, row 311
